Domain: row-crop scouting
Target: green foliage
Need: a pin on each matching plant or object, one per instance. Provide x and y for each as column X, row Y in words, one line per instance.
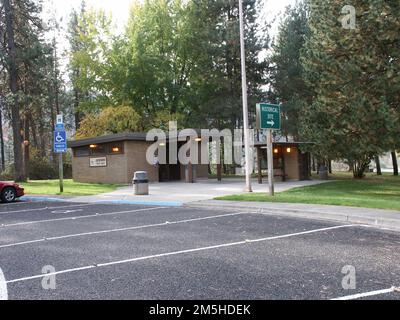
column 162, row 119
column 287, row 74
column 110, row 120
column 177, row 58
column 90, row 36
column 354, row 74
column 40, row 168
column 8, row 173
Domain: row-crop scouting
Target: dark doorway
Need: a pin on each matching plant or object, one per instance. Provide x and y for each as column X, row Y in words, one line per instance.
column 304, row 166
column 169, row 172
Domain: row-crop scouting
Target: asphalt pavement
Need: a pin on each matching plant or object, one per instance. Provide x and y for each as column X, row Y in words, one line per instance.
column 99, row 251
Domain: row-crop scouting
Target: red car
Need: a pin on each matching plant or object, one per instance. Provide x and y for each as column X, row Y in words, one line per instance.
column 10, row 191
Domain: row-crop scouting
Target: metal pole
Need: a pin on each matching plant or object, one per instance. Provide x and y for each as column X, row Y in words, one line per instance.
column 61, row 172
column 270, row 146
column 245, row 106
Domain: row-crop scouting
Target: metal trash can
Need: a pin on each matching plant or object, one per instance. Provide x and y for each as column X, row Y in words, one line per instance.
column 141, row 183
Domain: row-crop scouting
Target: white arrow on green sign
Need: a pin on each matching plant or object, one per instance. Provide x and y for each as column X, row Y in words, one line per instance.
column 268, row 116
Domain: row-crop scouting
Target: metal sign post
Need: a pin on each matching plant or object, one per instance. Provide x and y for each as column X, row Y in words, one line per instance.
column 60, row 147
column 269, row 117
column 270, row 147
column 61, row 172
column 245, row 103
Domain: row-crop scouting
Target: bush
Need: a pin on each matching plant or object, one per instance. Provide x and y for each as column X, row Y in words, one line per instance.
column 8, row 173
column 40, row 168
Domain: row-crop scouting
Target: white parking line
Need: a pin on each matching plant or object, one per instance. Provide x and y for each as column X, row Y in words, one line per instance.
column 368, row 294
column 3, row 287
column 167, row 223
column 96, row 215
column 48, row 208
column 175, row 253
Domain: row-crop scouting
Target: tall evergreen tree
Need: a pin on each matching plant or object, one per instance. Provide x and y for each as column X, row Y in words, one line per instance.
column 287, row 72
column 354, row 73
column 22, row 28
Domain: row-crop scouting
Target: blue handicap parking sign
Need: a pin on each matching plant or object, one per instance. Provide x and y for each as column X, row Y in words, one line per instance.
column 60, row 127
column 60, row 142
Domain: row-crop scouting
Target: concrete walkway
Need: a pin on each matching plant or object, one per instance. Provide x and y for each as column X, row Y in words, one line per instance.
column 179, row 193
column 389, row 219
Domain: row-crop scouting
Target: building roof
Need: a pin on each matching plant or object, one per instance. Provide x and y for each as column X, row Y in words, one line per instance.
column 136, row 136
column 129, row 136
column 283, row 144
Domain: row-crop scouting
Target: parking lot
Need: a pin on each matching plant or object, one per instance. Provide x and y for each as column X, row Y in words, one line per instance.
column 99, row 251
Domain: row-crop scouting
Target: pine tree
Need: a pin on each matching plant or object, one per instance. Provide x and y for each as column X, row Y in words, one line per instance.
column 354, row 73
column 287, row 74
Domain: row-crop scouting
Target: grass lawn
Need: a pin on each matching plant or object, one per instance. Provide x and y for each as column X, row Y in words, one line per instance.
column 51, row 187
column 380, row 192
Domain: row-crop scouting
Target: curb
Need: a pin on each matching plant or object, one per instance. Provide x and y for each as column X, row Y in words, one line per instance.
column 39, row 199
column 128, row 202
column 377, row 222
column 142, row 203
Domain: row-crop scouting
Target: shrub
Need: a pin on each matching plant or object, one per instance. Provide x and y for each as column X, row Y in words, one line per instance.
column 41, row 168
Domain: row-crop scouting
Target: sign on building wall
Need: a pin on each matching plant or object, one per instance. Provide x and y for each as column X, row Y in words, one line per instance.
column 98, row 162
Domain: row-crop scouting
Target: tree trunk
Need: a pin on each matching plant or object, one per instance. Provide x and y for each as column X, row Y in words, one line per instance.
column 56, row 89
column 330, row 166
column 313, row 164
column 35, row 140
column 359, row 168
column 53, row 126
column 26, row 147
column 13, row 73
column 378, row 166
column 3, row 156
column 395, row 164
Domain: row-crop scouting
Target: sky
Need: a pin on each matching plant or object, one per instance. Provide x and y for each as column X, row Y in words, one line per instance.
column 120, row 8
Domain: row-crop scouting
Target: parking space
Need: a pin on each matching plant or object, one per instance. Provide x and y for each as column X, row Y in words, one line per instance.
column 102, row 251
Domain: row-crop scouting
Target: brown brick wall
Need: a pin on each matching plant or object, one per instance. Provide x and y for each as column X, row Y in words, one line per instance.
column 292, row 164
column 115, row 172
column 121, row 168
column 136, row 160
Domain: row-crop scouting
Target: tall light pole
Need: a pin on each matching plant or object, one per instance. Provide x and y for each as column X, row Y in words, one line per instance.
column 245, row 106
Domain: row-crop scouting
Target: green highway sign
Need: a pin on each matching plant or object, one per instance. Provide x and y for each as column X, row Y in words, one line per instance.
column 268, row 116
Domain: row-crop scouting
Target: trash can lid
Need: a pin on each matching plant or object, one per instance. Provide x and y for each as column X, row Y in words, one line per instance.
column 140, row 175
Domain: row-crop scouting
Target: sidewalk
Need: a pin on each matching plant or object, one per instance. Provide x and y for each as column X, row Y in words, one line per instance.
column 181, row 193
column 389, row 219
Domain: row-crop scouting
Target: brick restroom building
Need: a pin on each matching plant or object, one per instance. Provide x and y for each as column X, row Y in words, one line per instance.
column 115, row 158
column 290, row 161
